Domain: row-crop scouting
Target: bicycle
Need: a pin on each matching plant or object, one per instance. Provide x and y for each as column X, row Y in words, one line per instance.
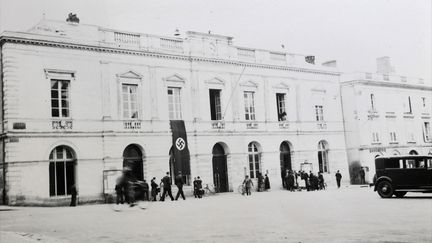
column 208, row 190
column 241, row 189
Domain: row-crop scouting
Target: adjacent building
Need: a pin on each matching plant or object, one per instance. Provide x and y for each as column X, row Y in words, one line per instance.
column 385, row 114
column 80, row 102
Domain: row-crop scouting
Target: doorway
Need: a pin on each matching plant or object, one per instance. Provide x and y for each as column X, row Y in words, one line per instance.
column 220, row 170
column 285, row 160
column 133, row 162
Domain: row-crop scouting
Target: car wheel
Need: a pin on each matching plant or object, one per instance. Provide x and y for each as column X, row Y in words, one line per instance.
column 385, row 189
column 400, row 194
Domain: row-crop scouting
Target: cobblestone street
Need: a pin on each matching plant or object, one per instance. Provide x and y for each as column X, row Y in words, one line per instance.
column 345, row 215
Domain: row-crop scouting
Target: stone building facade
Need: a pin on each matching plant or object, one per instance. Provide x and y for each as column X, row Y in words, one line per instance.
column 80, row 102
column 385, row 114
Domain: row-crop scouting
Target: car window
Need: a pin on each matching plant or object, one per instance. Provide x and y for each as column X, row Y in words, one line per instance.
column 410, row 164
column 393, row 163
column 429, row 163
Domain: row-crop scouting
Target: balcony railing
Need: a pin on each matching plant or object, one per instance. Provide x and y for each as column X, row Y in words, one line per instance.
column 62, row 124
column 132, row 125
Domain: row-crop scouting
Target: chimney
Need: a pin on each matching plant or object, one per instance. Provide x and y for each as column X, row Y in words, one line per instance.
column 331, row 63
column 384, row 65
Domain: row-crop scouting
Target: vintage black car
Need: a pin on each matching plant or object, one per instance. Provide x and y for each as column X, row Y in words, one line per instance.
column 397, row 175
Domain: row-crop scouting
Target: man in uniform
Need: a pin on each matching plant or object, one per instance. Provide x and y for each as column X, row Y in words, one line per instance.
column 338, row 178
column 167, row 187
column 179, row 183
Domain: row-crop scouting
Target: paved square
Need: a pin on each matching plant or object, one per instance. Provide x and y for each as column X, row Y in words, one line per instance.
column 345, row 215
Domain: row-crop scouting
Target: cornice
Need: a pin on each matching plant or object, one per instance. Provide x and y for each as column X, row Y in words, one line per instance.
column 116, row 50
column 389, row 84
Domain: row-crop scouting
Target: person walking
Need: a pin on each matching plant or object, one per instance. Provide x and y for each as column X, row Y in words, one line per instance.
column 167, row 187
column 248, row 184
column 266, row 182
column 179, row 183
column 338, row 178
column 74, row 194
column 154, row 188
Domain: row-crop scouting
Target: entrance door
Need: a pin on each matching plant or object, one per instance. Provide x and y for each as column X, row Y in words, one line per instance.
column 220, row 171
column 285, row 160
column 132, row 159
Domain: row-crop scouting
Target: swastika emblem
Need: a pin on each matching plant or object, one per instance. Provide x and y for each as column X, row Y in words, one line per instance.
column 180, row 144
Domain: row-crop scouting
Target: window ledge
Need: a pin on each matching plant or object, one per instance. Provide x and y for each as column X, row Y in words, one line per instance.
column 394, row 143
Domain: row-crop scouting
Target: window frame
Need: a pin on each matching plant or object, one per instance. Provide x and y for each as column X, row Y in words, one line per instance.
column 129, row 101
column 59, row 90
column 254, row 153
column 249, row 105
column 54, row 161
column 176, row 102
column 281, row 106
column 319, row 113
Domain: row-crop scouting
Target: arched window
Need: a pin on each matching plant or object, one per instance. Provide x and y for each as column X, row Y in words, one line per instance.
column 61, row 171
column 413, row 152
column 254, row 157
column 323, row 163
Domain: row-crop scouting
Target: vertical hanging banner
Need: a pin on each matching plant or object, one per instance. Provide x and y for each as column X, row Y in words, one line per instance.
column 180, row 147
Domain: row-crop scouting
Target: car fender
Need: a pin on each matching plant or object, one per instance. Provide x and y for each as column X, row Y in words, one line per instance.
column 382, row 178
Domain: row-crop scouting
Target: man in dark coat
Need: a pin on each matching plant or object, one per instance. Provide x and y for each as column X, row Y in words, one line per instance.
column 338, row 178
column 154, row 188
column 362, row 176
column 321, row 181
column 199, row 187
column 179, row 183
column 74, row 194
column 290, row 181
column 167, row 187
column 260, row 182
column 266, row 182
column 119, row 188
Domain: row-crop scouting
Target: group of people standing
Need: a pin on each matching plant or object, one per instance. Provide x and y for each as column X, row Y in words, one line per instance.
column 311, row 181
column 128, row 189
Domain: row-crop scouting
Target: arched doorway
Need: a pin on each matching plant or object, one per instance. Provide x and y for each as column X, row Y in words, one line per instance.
column 61, row 171
column 220, row 170
column 323, row 163
column 133, row 161
column 285, row 160
column 413, row 152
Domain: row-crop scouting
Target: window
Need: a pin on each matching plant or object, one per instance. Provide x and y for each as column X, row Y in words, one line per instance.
column 130, row 101
column 427, row 132
column 280, row 102
column 423, row 101
column 393, row 137
column 372, row 101
column 215, row 104
column 254, row 159
column 393, row 163
column 413, row 164
column 60, row 98
column 409, row 105
column 249, row 106
column 323, row 163
column 429, row 163
column 174, row 104
column 319, row 114
column 375, row 137
column 61, row 171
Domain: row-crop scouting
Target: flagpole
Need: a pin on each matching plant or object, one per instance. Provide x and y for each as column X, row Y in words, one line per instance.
column 232, row 92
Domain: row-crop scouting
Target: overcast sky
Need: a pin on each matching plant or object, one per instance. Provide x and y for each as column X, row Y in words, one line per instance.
column 354, row 32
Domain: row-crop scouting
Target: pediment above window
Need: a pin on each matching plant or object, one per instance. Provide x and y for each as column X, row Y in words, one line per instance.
column 130, row 74
column 59, row 74
column 249, row 84
column 216, row 81
column 175, row 78
column 281, row 85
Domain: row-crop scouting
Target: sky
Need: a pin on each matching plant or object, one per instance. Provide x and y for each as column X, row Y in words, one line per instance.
column 353, row 32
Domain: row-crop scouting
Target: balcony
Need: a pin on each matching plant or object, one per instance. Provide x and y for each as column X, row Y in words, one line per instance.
column 284, row 125
column 132, row 125
column 218, row 125
column 322, row 126
column 372, row 114
column 61, row 124
column 252, row 125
